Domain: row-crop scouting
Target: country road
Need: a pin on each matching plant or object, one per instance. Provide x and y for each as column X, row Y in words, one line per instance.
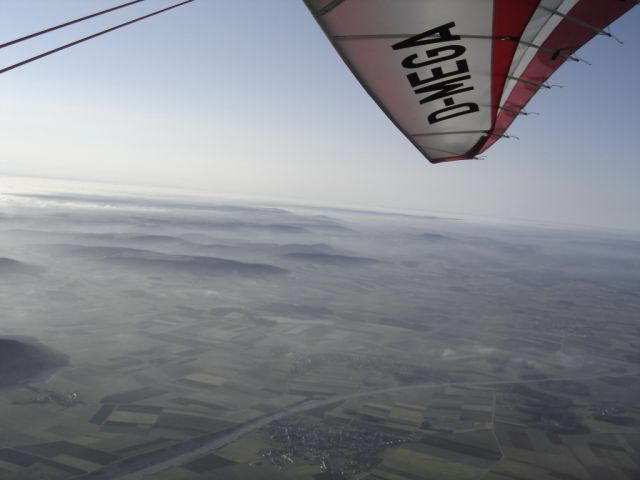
column 138, row 467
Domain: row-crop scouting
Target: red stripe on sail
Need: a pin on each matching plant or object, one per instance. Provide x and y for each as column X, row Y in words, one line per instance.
column 510, row 19
column 565, row 39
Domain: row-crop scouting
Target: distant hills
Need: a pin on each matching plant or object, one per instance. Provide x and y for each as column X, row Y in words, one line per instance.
column 22, row 361
column 331, row 259
column 193, row 264
column 10, row 266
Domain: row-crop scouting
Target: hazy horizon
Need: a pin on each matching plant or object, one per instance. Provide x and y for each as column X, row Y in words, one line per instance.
column 10, row 184
column 213, row 97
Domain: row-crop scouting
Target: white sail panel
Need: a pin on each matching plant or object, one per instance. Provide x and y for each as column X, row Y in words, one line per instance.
column 426, row 63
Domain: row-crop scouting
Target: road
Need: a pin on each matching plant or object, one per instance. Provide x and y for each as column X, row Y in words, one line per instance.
column 138, row 467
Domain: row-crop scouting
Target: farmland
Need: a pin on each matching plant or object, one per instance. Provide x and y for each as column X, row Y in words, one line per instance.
column 328, row 344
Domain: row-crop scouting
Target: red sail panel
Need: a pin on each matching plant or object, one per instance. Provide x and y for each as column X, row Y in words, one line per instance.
column 565, row 40
column 510, row 20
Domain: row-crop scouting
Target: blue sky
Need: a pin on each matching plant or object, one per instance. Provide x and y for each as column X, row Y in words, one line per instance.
column 248, row 98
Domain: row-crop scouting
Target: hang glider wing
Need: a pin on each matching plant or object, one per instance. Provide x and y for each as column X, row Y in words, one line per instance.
column 454, row 74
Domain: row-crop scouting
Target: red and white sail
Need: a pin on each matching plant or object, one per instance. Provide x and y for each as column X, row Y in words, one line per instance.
column 454, row 74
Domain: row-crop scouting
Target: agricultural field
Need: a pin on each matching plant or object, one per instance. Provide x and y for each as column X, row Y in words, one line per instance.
column 173, row 339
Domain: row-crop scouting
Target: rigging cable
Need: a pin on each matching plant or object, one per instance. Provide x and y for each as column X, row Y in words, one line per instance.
column 66, row 24
column 89, row 37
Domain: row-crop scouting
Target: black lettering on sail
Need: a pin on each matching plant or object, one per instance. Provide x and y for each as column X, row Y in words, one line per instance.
column 435, row 35
column 438, row 73
column 435, row 54
column 452, row 112
column 446, row 88
column 443, row 81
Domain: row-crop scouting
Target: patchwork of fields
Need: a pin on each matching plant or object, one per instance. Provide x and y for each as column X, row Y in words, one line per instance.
column 306, row 343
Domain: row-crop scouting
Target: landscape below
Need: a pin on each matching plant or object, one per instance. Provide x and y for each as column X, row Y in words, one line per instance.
column 172, row 340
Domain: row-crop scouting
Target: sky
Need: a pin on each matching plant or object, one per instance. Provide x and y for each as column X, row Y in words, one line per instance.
column 247, row 97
